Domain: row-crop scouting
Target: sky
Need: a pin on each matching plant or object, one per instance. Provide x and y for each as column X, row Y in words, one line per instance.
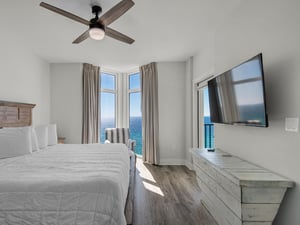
column 206, row 102
column 107, row 100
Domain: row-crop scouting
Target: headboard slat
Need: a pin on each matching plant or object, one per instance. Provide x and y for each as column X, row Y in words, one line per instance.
column 15, row 114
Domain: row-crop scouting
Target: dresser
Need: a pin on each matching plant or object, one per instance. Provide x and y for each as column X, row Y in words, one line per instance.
column 237, row 192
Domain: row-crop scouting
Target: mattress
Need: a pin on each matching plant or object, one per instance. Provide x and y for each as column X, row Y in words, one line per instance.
column 66, row 184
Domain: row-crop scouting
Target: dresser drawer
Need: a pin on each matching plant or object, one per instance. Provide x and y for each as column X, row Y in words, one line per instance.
column 211, row 183
column 227, row 198
column 229, row 186
column 206, row 167
column 220, row 211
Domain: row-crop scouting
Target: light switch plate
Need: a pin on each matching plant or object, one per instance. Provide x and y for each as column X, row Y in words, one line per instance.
column 291, row 124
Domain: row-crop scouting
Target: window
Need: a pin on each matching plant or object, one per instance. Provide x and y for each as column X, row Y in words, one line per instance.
column 208, row 125
column 204, row 128
column 120, row 101
column 107, row 103
column 135, row 114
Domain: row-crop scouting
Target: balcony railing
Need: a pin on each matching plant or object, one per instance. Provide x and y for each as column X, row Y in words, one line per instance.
column 209, row 135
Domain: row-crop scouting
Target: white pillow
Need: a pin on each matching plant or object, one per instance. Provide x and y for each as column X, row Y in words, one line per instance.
column 15, row 142
column 42, row 135
column 34, row 140
column 52, row 134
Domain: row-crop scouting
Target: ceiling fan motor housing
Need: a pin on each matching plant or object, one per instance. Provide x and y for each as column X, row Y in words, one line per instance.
column 95, row 24
column 96, row 9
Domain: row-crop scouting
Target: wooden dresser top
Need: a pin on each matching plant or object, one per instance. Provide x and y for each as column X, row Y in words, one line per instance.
column 241, row 172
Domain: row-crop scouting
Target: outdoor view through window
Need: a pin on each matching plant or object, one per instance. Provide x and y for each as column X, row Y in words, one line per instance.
column 108, row 106
column 208, row 125
column 135, row 114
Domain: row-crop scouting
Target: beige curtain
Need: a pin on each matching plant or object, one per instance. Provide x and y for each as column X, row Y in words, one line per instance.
column 90, row 131
column 150, row 113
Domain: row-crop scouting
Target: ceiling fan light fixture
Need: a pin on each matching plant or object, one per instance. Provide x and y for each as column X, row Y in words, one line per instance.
column 96, row 33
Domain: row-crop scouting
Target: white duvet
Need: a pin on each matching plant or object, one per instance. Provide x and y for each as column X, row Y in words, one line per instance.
column 65, row 185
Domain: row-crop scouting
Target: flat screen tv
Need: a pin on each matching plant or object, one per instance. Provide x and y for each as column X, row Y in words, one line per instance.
column 237, row 96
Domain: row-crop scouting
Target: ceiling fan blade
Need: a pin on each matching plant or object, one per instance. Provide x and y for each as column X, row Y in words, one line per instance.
column 115, row 12
column 82, row 37
column 64, row 13
column 117, row 35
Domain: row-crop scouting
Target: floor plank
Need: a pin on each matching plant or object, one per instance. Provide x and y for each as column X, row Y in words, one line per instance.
column 168, row 195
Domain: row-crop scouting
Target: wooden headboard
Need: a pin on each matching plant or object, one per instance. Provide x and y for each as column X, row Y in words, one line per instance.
column 14, row 114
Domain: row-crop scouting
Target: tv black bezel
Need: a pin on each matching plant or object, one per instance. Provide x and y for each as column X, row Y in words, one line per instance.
column 259, row 56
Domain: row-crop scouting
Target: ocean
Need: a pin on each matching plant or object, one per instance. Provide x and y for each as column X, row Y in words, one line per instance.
column 135, row 127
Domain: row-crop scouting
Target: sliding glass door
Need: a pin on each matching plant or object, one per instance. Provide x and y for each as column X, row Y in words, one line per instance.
column 205, row 128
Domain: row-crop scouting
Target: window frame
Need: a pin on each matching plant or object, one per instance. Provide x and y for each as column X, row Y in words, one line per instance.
column 129, row 91
column 198, row 112
column 199, row 115
column 122, row 91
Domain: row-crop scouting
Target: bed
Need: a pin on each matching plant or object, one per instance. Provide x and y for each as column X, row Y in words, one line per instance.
column 64, row 183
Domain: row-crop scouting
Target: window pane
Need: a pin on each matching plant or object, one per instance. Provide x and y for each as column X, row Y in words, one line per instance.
column 107, row 81
column 135, row 120
column 134, row 81
column 208, row 125
column 108, row 110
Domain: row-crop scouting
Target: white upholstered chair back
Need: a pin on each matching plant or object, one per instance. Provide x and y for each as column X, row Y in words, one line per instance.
column 119, row 135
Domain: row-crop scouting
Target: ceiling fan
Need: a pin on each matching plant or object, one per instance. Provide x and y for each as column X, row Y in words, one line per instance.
column 98, row 26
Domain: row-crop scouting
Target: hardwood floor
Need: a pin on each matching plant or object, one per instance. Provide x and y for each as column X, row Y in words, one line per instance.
column 168, row 195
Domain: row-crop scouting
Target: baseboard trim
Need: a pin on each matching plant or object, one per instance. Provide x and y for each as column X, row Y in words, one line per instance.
column 189, row 165
column 172, row 162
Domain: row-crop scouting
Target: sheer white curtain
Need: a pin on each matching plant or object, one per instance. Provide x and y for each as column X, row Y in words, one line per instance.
column 90, row 130
column 149, row 88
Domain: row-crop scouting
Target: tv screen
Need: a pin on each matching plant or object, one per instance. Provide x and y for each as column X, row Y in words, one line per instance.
column 237, row 96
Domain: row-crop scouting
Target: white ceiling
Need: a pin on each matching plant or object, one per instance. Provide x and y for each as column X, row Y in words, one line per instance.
column 164, row 30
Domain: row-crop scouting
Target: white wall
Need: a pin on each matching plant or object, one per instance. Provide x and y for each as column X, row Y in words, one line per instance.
column 171, row 98
column 270, row 27
column 204, row 60
column 189, row 111
column 66, row 100
column 24, row 77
